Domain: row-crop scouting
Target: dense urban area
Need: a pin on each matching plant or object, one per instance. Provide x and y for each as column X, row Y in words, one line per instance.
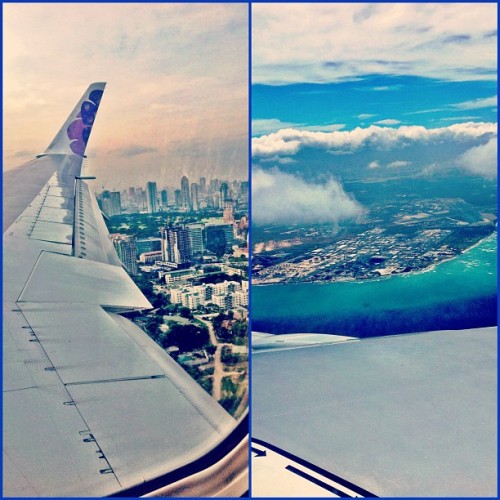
column 186, row 249
column 400, row 234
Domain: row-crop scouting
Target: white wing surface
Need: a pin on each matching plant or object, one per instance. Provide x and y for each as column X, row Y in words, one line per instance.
column 399, row 416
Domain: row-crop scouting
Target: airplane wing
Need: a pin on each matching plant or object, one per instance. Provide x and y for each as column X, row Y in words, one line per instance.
column 91, row 405
column 400, row 416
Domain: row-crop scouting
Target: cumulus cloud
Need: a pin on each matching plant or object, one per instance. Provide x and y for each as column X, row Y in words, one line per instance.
column 481, row 160
column 280, row 198
column 374, row 164
column 290, row 141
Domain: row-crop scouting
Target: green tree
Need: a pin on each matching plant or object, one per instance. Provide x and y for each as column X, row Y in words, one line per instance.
column 187, row 337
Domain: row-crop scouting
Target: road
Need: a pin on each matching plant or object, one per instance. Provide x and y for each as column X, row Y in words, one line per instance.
column 218, row 367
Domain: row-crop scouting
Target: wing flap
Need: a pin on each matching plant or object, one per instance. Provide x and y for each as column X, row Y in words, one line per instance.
column 82, row 281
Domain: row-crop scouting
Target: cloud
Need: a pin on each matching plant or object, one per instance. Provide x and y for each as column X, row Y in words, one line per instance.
column 266, row 126
column 282, row 160
column 488, row 102
column 323, row 128
column 364, row 116
column 136, row 150
column 389, row 121
column 281, row 198
column 290, row 141
column 384, row 88
column 175, row 72
column 374, row 164
column 436, row 40
column 398, row 164
column 481, row 160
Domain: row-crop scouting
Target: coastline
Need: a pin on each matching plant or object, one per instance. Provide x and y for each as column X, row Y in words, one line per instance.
column 427, row 269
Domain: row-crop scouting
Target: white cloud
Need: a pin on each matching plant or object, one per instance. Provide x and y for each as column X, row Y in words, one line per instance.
column 388, row 121
column 488, row 102
column 374, row 164
column 323, row 128
column 481, row 160
column 321, row 42
column 281, row 198
column 282, row 160
column 290, row 141
column 266, row 126
column 398, row 164
column 365, row 116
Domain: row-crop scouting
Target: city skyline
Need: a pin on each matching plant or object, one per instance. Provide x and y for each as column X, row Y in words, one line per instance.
column 176, row 96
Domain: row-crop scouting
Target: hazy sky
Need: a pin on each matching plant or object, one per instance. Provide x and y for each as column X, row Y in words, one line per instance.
column 367, row 91
column 176, row 101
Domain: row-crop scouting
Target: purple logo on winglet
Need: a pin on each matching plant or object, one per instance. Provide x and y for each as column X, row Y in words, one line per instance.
column 79, row 130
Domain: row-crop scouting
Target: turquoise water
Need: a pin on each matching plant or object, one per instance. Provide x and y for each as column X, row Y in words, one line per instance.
column 460, row 293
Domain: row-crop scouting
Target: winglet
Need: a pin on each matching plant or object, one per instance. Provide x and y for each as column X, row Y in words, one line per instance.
column 75, row 133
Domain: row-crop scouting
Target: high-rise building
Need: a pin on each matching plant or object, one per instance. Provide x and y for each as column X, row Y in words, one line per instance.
column 151, row 194
column 125, row 246
column 214, row 185
column 195, row 232
column 203, row 185
column 177, row 247
column 178, row 198
column 141, row 198
column 111, row 203
column 219, row 238
column 164, row 199
column 185, row 197
column 195, row 197
column 150, row 244
column 116, row 205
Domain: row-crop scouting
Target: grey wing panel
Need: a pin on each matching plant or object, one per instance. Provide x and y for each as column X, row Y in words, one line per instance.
column 409, row 415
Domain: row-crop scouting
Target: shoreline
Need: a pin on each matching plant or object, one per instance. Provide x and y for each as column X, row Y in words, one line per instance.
column 427, row 269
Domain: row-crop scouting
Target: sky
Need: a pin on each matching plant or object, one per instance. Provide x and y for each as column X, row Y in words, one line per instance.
column 176, row 101
column 368, row 91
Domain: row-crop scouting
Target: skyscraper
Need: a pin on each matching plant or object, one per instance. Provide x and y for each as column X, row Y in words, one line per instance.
column 125, row 246
column 185, row 197
column 151, row 194
column 195, row 232
column 195, row 197
column 164, row 199
column 219, row 238
column 177, row 247
column 111, row 203
column 178, row 198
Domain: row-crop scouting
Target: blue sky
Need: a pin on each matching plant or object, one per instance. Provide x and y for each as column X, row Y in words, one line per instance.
column 372, row 99
column 368, row 92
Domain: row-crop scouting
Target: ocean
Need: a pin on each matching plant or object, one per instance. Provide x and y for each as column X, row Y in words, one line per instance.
column 456, row 294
